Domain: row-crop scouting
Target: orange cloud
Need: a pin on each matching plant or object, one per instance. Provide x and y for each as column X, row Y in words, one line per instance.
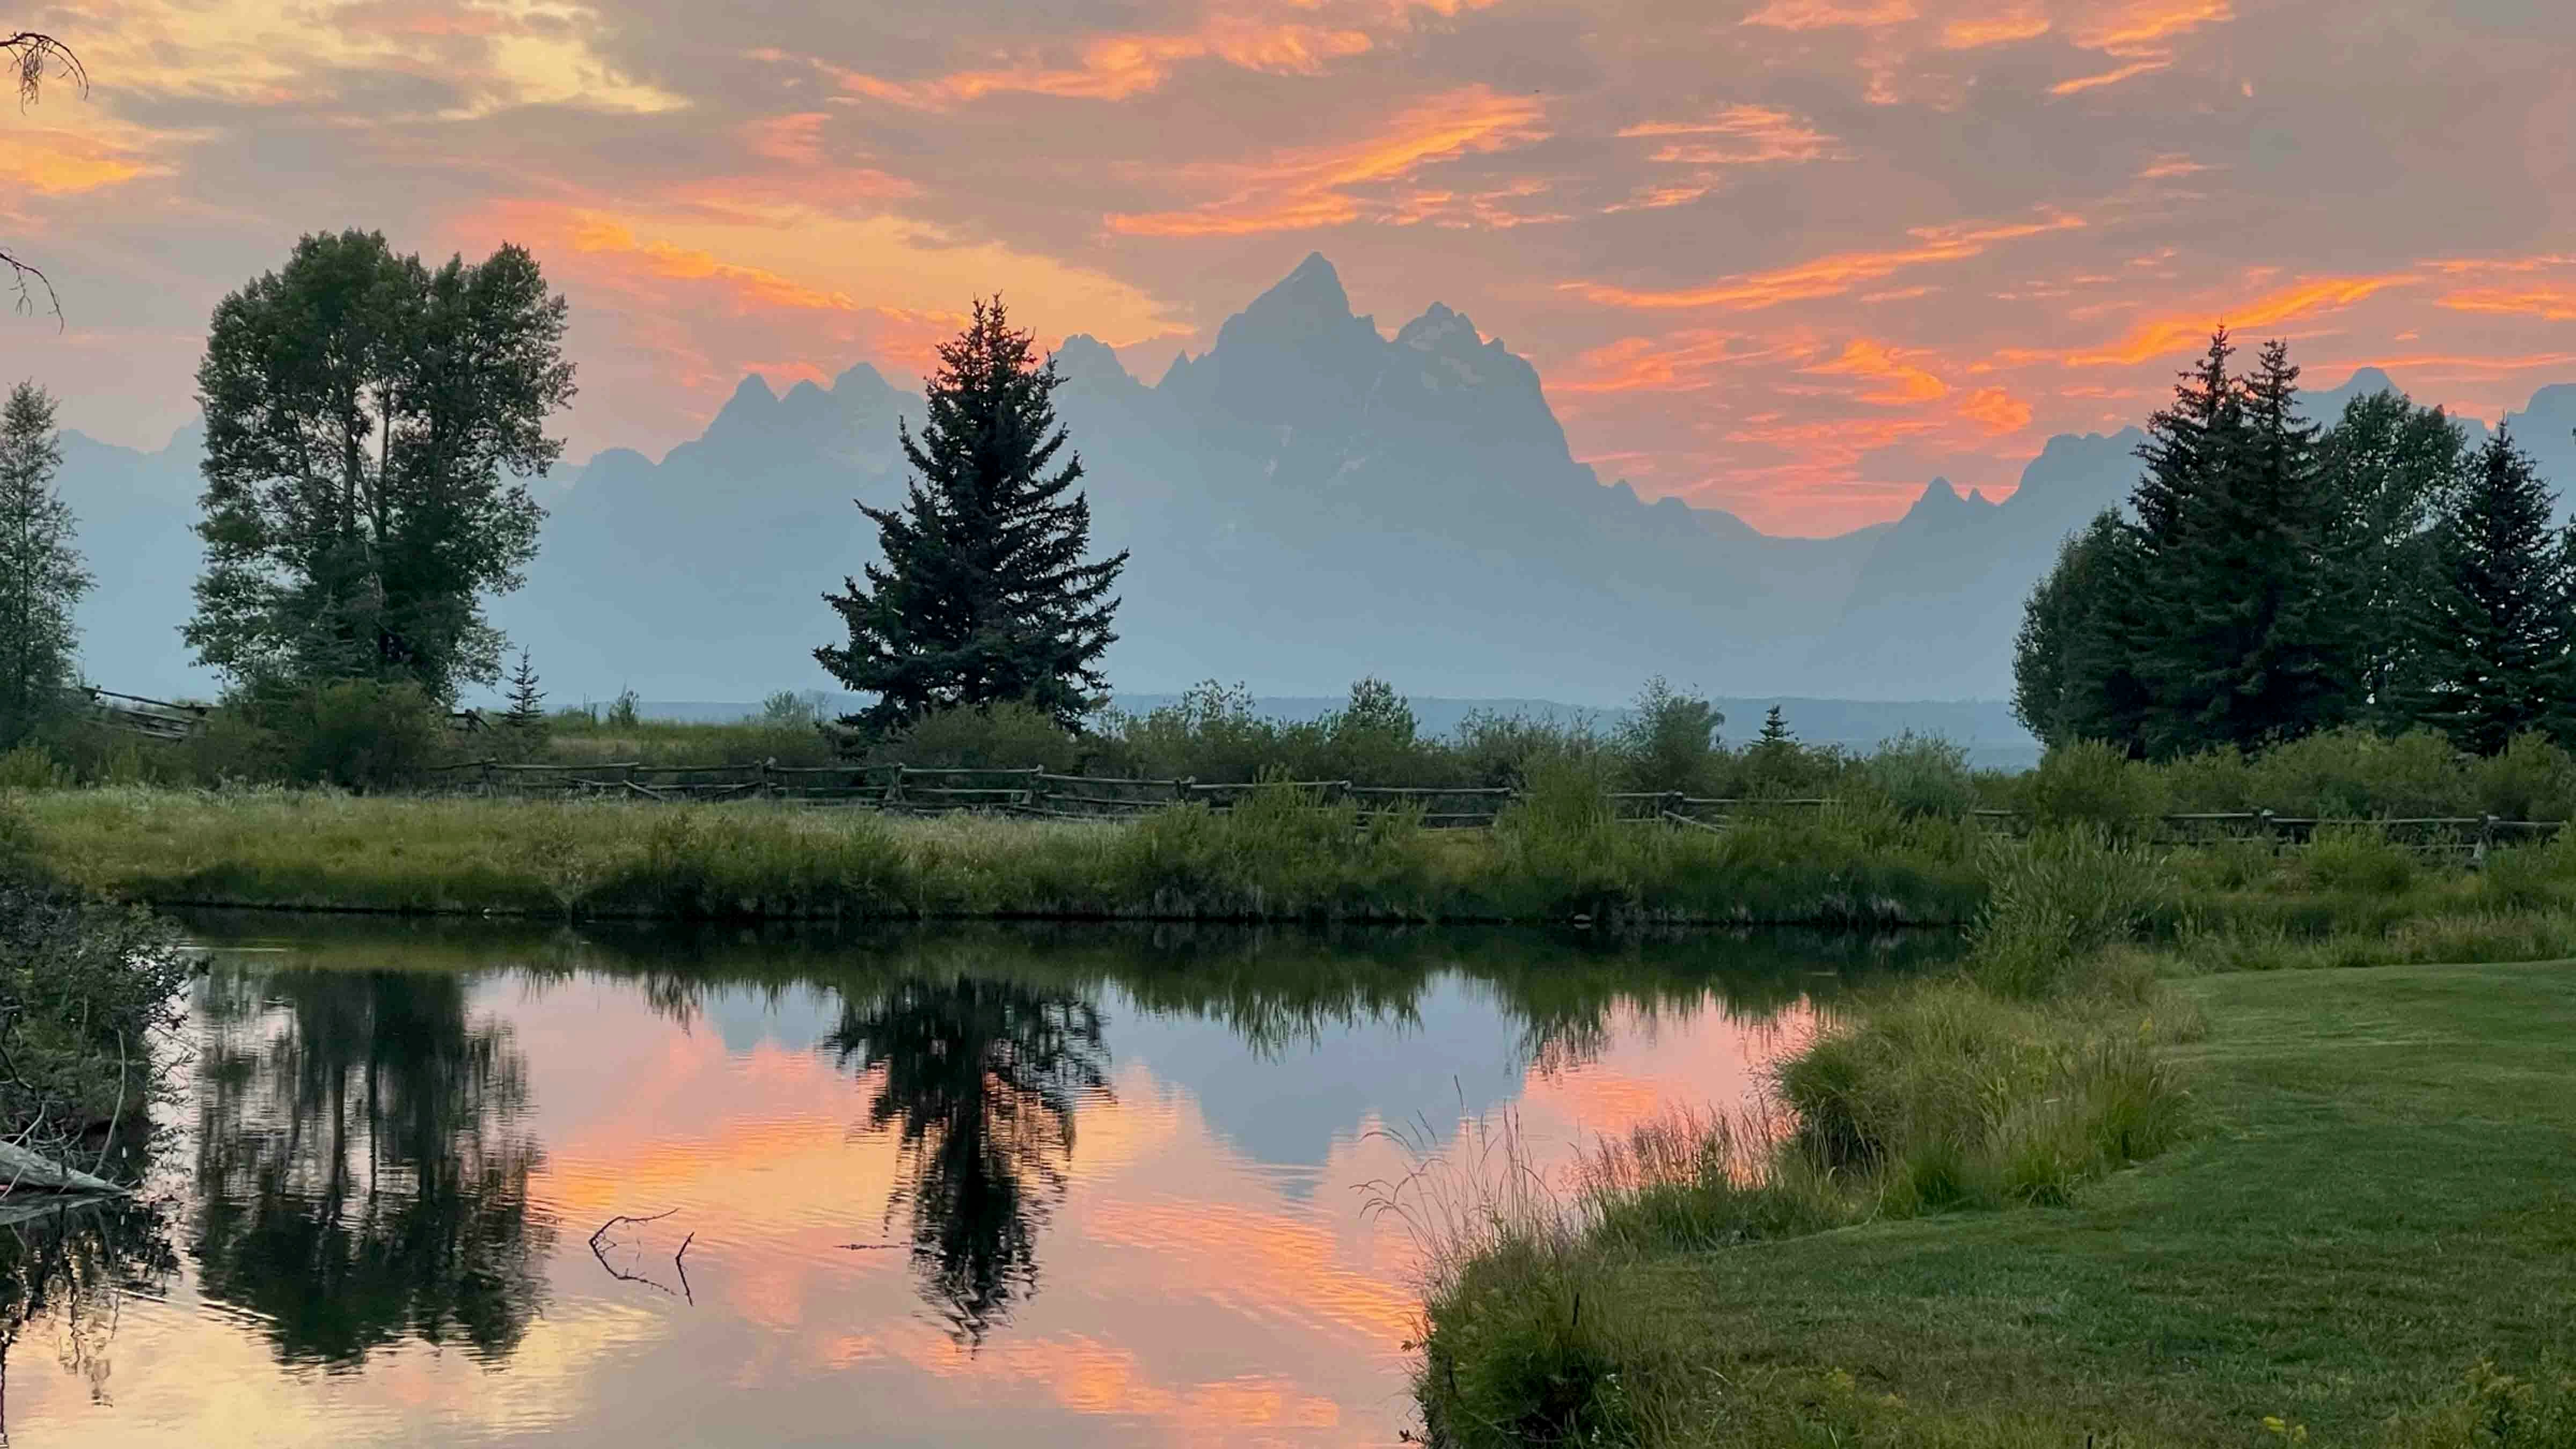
column 1977, row 31
column 2130, row 71
column 1995, row 410
column 1742, row 136
column 2173, row 334
column 1906, row 383
column 2548, row 301
column 2171, row 164
column 1650, row 364
column 2133, row 27
column 59, row 163
column 1314, row 188
column 1826, row 14
column 1828, row 276
column 1117, row 67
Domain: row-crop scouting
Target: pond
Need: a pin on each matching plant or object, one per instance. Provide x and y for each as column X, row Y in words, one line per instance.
column 466, row 1183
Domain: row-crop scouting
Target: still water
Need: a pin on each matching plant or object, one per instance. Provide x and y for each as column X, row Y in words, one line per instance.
column 973, row 1186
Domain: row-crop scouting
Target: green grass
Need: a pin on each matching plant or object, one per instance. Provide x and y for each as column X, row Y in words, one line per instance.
column 1278, row 856
column 2384, row 1196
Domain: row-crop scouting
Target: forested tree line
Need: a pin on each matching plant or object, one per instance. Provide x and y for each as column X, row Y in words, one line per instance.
column 2273, row 577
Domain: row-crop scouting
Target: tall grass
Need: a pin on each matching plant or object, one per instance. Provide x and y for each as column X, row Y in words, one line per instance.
column 1279, row 854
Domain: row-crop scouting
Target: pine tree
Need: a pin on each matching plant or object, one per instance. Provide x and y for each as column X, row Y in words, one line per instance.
column 527, row 702
column 2501, row 615
column 2073, row 671
column 2238, row 643
column 1775, row 730
column 985, row 592
column 41, row 577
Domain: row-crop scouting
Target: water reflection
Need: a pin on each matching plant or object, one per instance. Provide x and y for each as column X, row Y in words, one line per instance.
column 67, row 1265
column 361, row 1175
column 978, row 1079
column 401, row 1135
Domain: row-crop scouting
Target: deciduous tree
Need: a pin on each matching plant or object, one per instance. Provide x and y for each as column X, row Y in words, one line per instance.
column 41, row 577
column 370, row 427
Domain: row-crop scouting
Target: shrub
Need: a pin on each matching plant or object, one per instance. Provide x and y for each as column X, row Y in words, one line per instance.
column 2355, row 774
column 2360, row 859
column 2530, row 779
column 2089, row 783
column 1669, row 740
column 2054, row 902
column 1004, row 736
column 1923, row 775
column 33, row 767
column 359, row 734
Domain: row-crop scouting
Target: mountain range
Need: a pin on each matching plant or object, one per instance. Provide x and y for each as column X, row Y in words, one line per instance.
column 1308, row 501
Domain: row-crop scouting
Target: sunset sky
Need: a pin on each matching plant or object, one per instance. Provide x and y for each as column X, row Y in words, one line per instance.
column 1788, row 257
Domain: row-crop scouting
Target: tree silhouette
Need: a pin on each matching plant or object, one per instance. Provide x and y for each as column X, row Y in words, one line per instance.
column 28, row 55
column 358, row 1177
column 981, row 1080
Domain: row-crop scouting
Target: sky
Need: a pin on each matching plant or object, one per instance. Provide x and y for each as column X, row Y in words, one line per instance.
column 1790, row 258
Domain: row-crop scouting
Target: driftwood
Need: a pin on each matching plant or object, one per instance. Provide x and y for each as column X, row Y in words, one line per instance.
column 31, row 1171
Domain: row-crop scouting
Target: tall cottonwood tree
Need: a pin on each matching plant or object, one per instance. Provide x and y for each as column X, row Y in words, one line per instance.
column 2501, row 614
column 986, row 591
column 41, row 577
column 2392, row 470
column 370, row 427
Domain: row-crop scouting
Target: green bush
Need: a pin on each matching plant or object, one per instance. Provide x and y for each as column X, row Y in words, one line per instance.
column 2532, row 778
column 359, row 734
column 1669, row 740
column 1923, row 775
column 33, row 767
column 2360, row 859
column 1004, row 736
column 2355, row 774
column 2089, row 783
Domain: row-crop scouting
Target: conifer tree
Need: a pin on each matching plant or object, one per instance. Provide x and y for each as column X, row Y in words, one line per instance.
column 2238, row 645
column 2499, row 619
column 986, row 591
column 527, row 702
column 41, row 577
column 1775, row 729
column 2073, row 670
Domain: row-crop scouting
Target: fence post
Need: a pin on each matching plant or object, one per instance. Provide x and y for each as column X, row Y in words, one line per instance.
column 1672, row 802
column 894, row 789
column 2271, row 836
column 760, row 786
column 488, row 773
column 1029, row 796
column 2486, row 836
column 1182, row 787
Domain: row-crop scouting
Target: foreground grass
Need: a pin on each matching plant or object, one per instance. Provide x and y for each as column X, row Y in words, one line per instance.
column 1279, row 856
column 2381, row 1200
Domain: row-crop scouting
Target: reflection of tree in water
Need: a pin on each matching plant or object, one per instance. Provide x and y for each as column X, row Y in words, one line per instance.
column 68, row 1265
column 981, row 1077
column 359, row 1177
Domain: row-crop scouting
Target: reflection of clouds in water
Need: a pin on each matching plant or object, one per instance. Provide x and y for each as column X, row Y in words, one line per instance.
column 1185, row 1209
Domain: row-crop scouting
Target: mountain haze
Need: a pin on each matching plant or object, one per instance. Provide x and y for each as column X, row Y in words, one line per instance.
column 1308, row 501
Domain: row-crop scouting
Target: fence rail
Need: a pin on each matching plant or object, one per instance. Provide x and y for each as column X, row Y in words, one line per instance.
column 1043, row 794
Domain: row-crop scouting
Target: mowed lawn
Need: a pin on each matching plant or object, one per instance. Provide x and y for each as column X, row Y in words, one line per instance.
column 2387, row 1194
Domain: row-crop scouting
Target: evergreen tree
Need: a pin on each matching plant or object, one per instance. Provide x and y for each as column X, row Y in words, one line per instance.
column 369, row 427
column 41, row 577
column 1775, row 729
column 2500, row 617
column 2072, row 664
column 2390, row 469
column 2238, row 644
column 527, row 702
column 985, row 592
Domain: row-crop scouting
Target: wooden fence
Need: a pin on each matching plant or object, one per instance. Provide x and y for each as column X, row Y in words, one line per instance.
column 1039, row 793
column 915, row 790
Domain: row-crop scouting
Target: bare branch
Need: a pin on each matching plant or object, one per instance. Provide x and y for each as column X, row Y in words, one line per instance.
column 31, row 54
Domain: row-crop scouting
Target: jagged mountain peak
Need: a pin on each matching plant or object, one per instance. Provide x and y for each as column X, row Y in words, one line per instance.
column 1086, row 359
column 1439, row 329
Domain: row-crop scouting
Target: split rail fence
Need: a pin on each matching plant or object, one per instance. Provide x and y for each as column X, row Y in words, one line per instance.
column 1039, row 793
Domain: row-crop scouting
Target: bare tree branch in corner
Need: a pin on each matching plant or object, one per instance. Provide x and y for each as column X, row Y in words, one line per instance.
column 31, row 56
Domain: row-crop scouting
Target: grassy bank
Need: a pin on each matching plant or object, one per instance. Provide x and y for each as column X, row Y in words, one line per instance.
column 2082, row 1190
column 1279, row 856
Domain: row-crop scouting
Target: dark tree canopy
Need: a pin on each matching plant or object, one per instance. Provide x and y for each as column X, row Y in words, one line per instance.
column 2391, row 470
column 986, row 592
column 2072, row 675
column 370, row 426
column 41, row 577
column 2499, row 616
